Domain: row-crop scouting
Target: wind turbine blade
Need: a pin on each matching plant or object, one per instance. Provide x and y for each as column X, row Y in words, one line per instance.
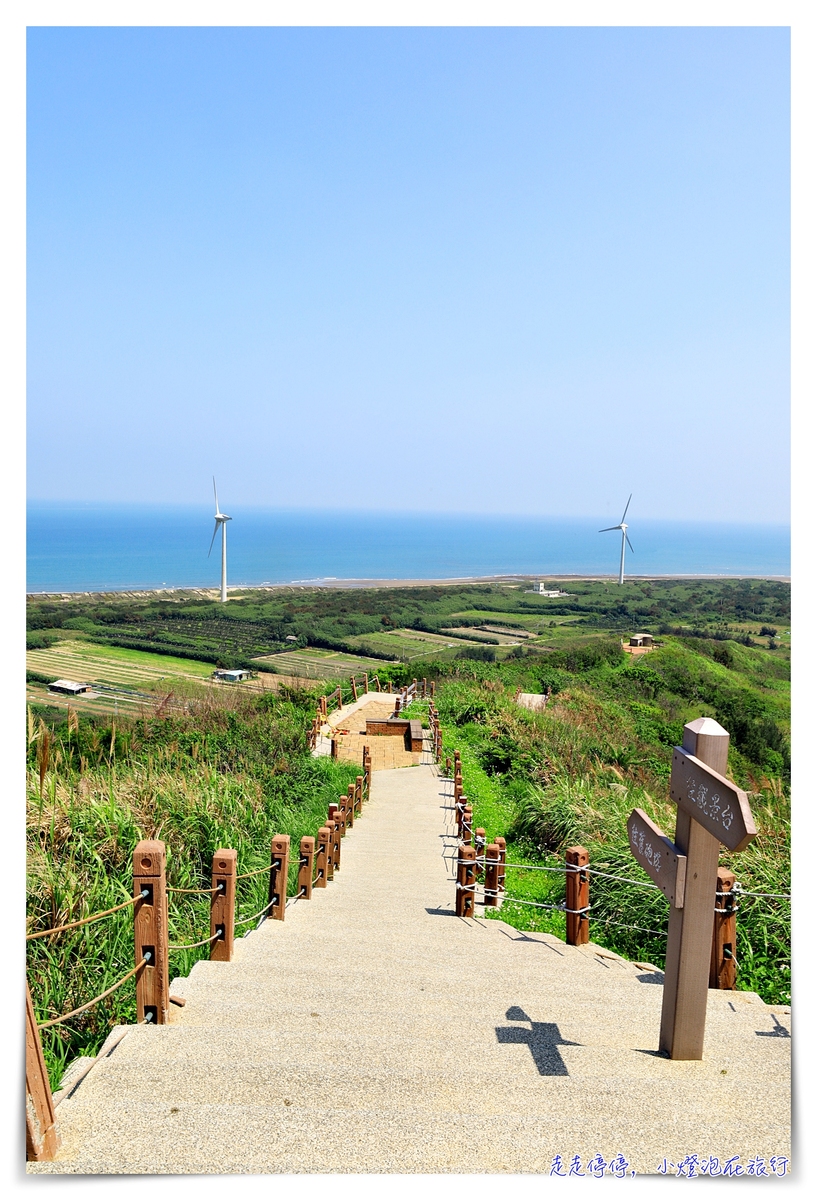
column 609, row 529
column 215, row 493
column 215, row 531
column 628, row 505
column 629, row 543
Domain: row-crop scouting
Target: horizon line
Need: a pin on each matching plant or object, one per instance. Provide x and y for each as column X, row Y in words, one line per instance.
column 401, row 512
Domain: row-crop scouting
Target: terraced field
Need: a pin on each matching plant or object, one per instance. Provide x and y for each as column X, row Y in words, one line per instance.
column 407, row 644
column 312, row 663
column 87, row 662
column 100, row 704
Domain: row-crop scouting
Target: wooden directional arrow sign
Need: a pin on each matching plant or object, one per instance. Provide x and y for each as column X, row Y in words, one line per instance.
column 711, row 800
column 662, row 861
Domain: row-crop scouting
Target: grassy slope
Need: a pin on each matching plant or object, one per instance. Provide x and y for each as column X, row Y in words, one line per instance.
column 544, row 781
column 574, row 773
column 223, row 776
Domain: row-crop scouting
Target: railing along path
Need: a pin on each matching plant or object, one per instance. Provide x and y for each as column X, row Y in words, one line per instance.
column 480, row 874
column 318, row 861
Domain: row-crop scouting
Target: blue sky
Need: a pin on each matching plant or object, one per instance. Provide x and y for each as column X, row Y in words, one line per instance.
column 483, row 270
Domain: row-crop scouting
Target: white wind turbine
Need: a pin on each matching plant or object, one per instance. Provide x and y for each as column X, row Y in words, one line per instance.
column 221, row 519
column 625, row 541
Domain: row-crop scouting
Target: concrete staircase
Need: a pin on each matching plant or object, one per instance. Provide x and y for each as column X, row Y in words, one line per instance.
column 374, row 1031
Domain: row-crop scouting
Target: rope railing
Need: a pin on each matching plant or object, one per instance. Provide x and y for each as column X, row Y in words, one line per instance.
column 30, row 937
column 255, row 916
column 193, row 891
column 193, row 945
column 83, row 1007
column 150, row 924
column 250, row 874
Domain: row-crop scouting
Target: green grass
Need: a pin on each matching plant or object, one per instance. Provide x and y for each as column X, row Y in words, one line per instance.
column 234, row 770
column 532, row 622
column 112, row 664
column 573, row 774
column 314, row 663
column 410, row 644
column 222, row 777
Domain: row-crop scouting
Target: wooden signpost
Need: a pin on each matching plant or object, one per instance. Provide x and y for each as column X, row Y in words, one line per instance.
column 710, row 799
column 711, row 811
column 662, row 861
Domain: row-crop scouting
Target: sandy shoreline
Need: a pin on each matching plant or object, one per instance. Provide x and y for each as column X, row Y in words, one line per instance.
column 301, row 585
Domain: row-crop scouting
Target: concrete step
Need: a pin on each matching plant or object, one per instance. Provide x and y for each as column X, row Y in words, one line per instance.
column 374, row 1031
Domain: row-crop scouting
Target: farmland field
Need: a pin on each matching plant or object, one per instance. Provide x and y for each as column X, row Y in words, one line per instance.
column 532, row 622
column 312, row 663
column 87, row 662
column 501, row 636
column 407, row 644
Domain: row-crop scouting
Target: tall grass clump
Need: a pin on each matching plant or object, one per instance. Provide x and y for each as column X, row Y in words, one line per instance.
column 220, row 775
column 573, row 773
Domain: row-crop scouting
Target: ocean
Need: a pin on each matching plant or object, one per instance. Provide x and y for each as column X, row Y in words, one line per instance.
column 94, row 547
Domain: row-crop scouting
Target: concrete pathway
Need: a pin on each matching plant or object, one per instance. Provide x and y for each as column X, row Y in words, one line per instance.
column 374, row 1031
column 347, row 726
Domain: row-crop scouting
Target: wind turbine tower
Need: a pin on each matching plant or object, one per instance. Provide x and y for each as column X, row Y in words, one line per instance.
column 221, row 519
column 625, row 541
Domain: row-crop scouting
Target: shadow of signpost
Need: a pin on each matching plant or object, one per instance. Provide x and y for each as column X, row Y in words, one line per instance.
column 542, row 1039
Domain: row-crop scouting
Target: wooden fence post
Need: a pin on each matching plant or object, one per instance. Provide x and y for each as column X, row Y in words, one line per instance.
column 354, row 690
column 492, row 875
column 466, row 881
column 359, row 795
column 306, row 867
column 479, row 845
column 366, row 681
column 433, row 685
column 577, row 896
column 722, row 971
column 333, row 748
column 150, row 933
column 278, row 876
column 332, row 850
column 500, row 879
column 350, row 804
column 222, row 905
column 467, row 821
column 336, row 820
column 42, row 1139
column 689, row 935
column 322, row 856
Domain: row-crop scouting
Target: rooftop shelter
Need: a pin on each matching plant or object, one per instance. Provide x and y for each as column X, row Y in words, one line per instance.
column 68, row 687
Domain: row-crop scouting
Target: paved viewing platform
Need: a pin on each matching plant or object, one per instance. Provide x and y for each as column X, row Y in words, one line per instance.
column 374, row 1031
